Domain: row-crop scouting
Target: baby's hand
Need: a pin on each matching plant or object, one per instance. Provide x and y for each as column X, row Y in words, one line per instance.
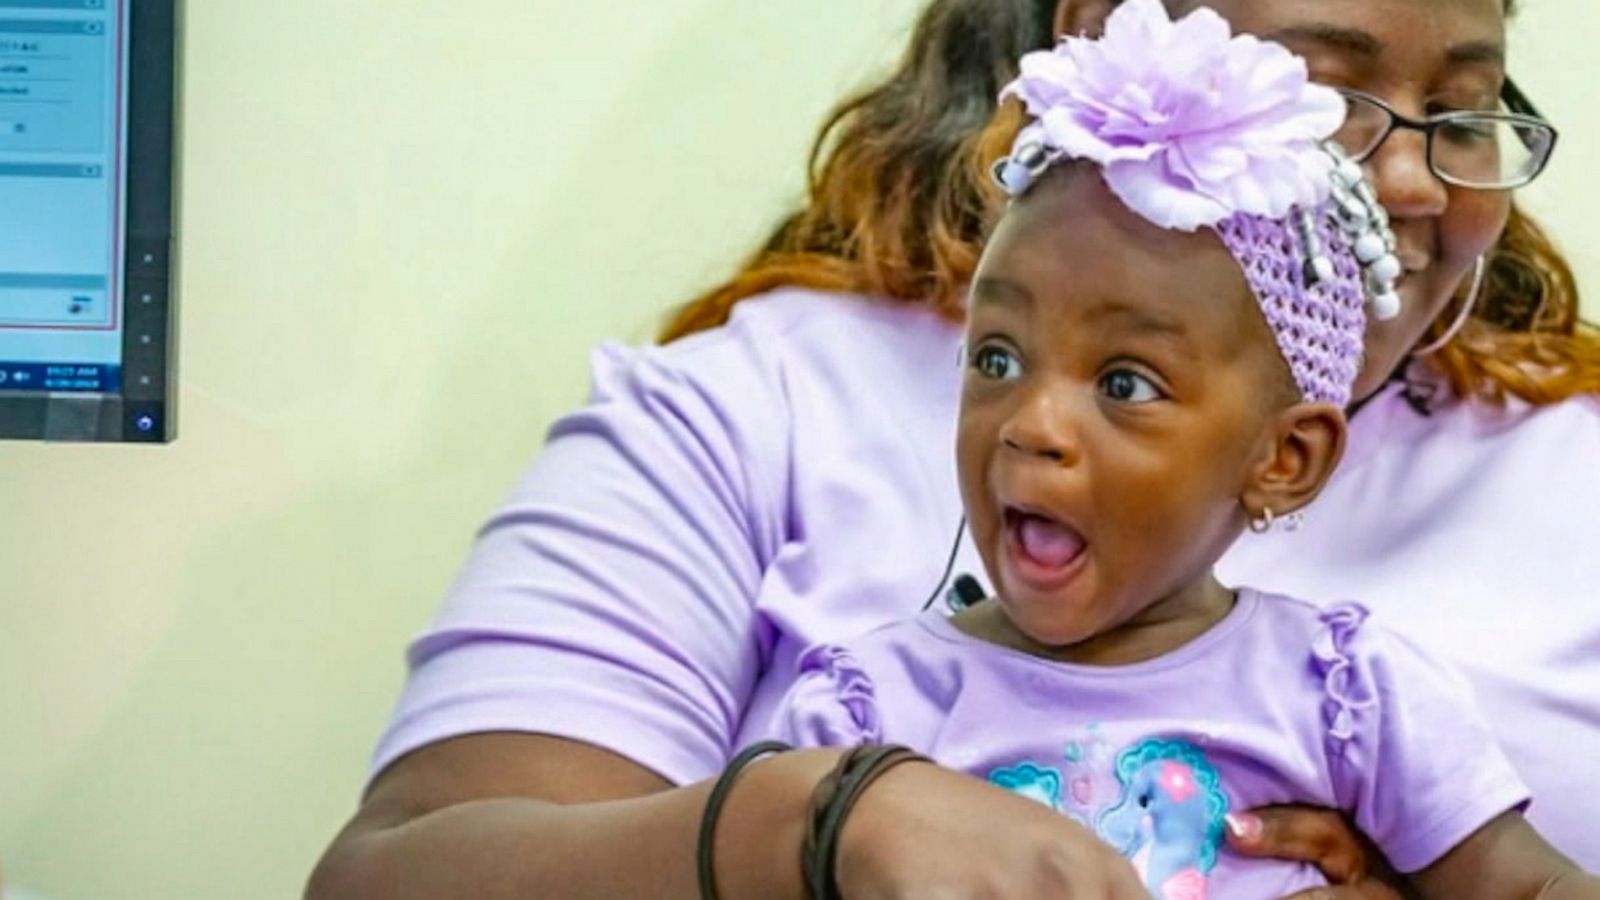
column 1321, row 837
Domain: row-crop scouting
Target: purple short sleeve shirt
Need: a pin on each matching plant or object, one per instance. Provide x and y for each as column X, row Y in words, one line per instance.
column 1281, row 702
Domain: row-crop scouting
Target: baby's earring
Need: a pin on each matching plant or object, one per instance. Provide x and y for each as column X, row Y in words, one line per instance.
column 1267, row 521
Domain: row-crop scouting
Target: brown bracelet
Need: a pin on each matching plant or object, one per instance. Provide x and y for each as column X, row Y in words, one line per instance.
column 821, row 797
column 705, row 871
column 831, row 802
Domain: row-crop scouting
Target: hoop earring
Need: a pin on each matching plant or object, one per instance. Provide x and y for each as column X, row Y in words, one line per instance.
column 1463, row 315
column 1263, row 523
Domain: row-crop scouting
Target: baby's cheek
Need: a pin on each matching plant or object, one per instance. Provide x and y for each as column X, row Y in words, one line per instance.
column 1179, row 511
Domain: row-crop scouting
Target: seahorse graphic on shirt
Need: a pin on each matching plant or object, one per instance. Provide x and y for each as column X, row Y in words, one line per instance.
column 1169, row 818
column 1164, row 810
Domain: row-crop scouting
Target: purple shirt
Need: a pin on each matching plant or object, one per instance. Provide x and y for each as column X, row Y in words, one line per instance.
column 789, row 479
column 1280, row 702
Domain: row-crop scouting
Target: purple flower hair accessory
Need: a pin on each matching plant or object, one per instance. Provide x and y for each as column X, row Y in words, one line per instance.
column 1190, row 123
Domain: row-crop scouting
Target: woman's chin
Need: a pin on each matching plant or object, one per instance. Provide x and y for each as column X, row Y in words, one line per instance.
column 1369, row 382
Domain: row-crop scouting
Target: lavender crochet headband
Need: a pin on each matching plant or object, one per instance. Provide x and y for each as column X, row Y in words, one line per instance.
column 1194, row 127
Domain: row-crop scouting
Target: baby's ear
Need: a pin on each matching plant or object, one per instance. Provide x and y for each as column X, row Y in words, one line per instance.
column 1301, row 448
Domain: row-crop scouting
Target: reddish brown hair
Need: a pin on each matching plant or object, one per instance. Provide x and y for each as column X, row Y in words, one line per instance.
column 899, row 199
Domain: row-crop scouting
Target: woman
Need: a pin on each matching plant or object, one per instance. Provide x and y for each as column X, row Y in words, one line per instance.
column 782, row 475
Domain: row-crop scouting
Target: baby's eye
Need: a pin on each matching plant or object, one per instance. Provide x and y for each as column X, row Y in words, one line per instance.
column 997, row 363
column 1127, row 386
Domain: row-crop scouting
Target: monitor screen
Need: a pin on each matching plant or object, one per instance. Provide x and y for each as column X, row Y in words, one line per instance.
column 86, row 220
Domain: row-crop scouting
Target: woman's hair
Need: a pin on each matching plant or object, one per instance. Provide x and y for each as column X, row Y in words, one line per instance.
column 900, row 198
column 1526, row 338
column 896, row 208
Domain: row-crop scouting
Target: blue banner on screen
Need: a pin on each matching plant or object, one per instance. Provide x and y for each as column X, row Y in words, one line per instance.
column 88, row 377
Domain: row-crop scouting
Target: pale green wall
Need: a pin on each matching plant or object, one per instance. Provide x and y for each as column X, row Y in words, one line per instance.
column 1553, row 57
column 405, row 224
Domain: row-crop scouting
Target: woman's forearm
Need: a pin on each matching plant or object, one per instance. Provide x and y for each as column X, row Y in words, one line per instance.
column 1572, row 886
column 1505, row 859
column 642, row 847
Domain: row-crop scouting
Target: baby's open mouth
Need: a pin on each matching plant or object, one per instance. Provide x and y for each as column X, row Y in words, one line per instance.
column 1046, row 545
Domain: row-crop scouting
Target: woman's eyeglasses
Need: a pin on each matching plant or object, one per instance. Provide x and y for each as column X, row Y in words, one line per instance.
column 1494, row 151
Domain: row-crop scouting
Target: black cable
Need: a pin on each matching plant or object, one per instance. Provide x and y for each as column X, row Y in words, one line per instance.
column 961, row 529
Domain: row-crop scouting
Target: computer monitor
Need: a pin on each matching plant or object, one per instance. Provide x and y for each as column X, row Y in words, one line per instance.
column 87, row 318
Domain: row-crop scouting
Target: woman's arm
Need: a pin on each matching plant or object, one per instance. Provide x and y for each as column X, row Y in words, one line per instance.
column 610, row 602
column 515, row 816
column 1506, row 860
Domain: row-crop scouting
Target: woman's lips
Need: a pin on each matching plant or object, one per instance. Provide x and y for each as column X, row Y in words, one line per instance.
column 1412, row 264
column 1043, row 552
column 1412, row 254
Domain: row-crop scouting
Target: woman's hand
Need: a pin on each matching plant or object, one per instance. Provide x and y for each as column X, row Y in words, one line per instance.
column 926, row 832
column 1356, row 869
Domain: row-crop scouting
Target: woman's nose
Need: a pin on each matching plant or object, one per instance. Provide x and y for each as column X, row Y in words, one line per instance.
column 1406, row 185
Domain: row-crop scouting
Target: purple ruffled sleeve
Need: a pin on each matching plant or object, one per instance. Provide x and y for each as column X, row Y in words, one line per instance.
column 832, row 702
column 1412, row 758
column 1345, row 694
